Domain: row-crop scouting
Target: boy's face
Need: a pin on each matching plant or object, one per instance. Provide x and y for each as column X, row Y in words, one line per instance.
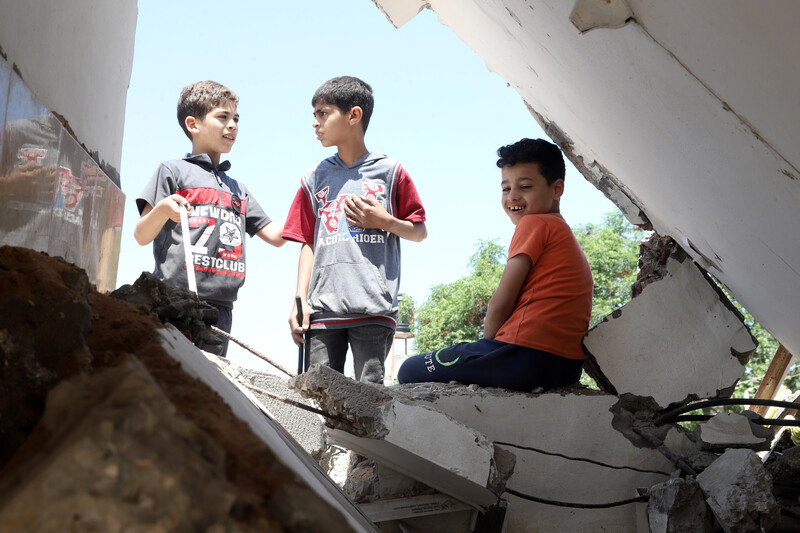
column 330, row 124
column 216, row 132
column 526, row 192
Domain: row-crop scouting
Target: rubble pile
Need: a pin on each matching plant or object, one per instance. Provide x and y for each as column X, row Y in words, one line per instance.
column 102, row 430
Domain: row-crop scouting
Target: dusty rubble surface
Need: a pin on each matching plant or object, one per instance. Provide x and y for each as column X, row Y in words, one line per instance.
column 102, row 430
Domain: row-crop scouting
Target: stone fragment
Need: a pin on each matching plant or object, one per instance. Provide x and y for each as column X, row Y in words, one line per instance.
column 179, row 307
column 681, row 326
column 678, row 506
column 738, row 490
column 733, row 430
column 305, row 427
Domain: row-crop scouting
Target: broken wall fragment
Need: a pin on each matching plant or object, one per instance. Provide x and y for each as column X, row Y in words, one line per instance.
column 679, row 339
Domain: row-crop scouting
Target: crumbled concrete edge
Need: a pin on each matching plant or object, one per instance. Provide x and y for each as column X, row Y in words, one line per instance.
column 372, row 412
column 363, row 406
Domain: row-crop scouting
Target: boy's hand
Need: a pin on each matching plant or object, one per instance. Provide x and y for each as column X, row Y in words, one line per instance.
column 295, row 328
column 154, row 218
column 169, row 207
column 367, row 212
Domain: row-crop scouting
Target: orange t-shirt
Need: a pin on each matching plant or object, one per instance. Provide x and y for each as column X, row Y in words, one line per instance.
column 554, row 307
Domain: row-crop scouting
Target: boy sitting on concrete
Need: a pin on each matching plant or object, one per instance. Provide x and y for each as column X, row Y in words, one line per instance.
column 540, row 312
column 220, row 208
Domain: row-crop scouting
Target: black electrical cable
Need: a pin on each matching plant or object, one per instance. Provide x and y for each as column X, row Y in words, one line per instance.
column 667, row 417
column 557, row 503
column 556, row 454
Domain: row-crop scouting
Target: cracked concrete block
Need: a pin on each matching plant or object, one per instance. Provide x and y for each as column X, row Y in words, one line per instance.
column 679, row 326
column 733, row 430
column 305, row 427
column 738, row 490
column 678, row 506
column 570, row 446
column 418, row 441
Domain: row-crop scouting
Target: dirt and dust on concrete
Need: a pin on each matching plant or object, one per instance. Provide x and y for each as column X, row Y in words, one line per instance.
column 58, row 334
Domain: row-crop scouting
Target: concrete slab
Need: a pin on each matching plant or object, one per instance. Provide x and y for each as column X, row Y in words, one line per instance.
column 461, row 463
column 738, row 490
column 573, row 446
column 305, row 427
column 678, row 327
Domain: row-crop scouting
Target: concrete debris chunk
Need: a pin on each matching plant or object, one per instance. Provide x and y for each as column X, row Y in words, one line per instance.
column 681, row 326
column 733, row 430
column 678, row 506
column 179, row 307
column 738, row 490
column 417, row 441
column 305, row 427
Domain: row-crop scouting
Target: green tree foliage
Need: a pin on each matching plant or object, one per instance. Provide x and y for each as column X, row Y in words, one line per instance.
column 454, row 311
column 612, row 249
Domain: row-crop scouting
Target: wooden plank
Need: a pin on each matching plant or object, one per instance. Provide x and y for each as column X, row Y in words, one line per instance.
column 773, row 379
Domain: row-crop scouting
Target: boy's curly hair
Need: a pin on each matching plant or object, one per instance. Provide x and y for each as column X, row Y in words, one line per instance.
column 546, row 154
column 197, row 99
column 346, row 92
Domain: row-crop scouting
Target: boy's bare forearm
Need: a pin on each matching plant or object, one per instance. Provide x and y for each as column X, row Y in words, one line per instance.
column 303, row 278
column 412, row 231
column 271, row 233
column 304, row 270
column 149, row 225
column 505, row 297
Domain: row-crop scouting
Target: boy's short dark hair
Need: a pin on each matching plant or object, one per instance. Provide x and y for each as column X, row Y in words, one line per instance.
column 546, row 154
column 346, row 92
column 197, row 99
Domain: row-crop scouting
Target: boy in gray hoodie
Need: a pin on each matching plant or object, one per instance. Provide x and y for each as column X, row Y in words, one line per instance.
column 349, row 214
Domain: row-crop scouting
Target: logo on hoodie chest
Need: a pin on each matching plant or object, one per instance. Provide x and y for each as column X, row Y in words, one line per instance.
column 331, row 212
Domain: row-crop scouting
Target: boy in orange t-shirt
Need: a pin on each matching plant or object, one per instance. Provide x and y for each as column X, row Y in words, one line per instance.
column 540, row 312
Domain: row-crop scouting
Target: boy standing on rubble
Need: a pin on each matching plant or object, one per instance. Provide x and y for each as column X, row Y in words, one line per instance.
column 350, row 213
column 220, row 209
column 540, row 312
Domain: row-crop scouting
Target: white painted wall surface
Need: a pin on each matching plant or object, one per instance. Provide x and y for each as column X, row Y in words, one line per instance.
column 77, row 57
column 690, row 106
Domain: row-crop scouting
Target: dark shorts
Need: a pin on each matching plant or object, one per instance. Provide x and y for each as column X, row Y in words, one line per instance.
column 491, row 363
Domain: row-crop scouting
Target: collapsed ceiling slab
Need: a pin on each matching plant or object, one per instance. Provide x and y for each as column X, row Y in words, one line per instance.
column 688, row 108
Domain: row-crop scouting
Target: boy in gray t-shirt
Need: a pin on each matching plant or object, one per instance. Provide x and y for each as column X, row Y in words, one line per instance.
column 220, row 209
column 350, row 213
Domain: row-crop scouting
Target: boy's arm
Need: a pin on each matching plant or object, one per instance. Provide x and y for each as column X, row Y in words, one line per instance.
column 502, row 303
column 303, row 280
column 271, row 233
column 154, row 218
column 367, row 212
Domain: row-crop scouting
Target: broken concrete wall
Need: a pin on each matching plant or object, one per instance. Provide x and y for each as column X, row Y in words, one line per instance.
column 679, row 339
column 55, row 328
column 452, row 458
column 564, row 446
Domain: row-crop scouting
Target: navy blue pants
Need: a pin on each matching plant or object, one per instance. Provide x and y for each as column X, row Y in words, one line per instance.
column 491, row 363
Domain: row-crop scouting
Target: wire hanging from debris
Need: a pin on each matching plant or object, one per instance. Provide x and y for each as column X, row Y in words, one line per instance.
column 638, row 499
column 556, row 454
column 252, row 350
column 672, row 416
column 294, row 403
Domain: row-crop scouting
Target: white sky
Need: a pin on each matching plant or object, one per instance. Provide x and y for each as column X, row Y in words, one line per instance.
column 437, row 109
